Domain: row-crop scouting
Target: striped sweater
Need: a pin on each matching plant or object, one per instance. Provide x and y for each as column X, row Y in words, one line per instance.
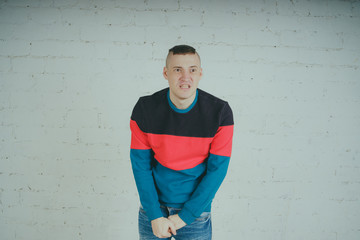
column 180, row 157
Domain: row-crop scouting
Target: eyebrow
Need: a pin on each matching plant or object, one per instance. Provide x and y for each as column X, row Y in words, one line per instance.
column 194, row 66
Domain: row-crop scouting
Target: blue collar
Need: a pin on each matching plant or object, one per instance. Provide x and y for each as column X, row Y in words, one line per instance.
column 182, row 110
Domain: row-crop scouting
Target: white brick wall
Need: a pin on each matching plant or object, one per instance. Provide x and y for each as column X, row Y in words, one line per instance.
column 71, row 72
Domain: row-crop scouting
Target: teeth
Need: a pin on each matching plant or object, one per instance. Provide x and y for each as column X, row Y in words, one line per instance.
column 184, row 86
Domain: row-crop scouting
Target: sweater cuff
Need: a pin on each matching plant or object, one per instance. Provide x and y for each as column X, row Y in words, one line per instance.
column 187, row 216
column 154, row 213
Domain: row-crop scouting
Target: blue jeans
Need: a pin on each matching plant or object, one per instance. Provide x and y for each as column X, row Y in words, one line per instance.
column 200, row 229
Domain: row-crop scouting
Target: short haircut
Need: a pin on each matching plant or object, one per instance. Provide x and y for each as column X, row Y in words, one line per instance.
column 181, row 49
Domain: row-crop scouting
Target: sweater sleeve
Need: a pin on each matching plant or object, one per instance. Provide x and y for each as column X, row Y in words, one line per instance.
column 217, row 165
column 141, row 161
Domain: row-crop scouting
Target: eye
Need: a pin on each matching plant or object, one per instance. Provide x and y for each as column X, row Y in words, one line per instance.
column 177, row 70
column 193, row 70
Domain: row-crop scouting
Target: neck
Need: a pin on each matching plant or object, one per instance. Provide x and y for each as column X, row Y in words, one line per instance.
column 182, row 103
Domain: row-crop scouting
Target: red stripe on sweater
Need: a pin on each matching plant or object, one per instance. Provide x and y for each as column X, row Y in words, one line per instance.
column 222, row 142
column 139, row 139
column 179, row 153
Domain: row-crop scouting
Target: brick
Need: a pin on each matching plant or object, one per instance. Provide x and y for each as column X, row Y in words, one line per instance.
column 318, row 24
column 268, row 54
column 14, row 15
column 28, row 65
column 83, row 119
column 30, row 31
column 6, row 132
column 53, row 118
column 45, row 16
column 323, row 40
column 355, row 9
column 75, row 66
column 115, row 16
column 311, row 39
column 62, row 49
column 129, row 4
column 339, row 8
column 350, row 41
column 45, row 83
column 150, row 18
column 26, row 4
column 162, row 35
column 27, row 133
column 193, row 35
column 141, row 52
column 249, row 7
column 240, row 21
column 198, row 5
column 315, row 9
column 328, row 57
column 59, row 101
column 15, row 182
column 58, row 65
column 80, row 17
column 56, row 224
column 5, row 64
column 218, row 19
column 7, row 31
column 113, row 34
column 281, row 23
column 346, row 25
column 61, row 32
column 97, row 17
column 233, row 36
column 83, row 150
column 5, row 113
column 110, row 51
column 262, row 38
column 62, row 134
column 71, row 4
column 98, row 135
column 184, row 18
column 15, row 48
column 158, row 4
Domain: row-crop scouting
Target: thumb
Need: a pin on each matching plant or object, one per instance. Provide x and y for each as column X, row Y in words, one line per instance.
column 172, row 228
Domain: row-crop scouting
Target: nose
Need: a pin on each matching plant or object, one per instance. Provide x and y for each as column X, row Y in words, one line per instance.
column 185, row 75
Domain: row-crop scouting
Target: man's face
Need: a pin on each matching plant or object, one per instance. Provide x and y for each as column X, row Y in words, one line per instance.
column 183, row 73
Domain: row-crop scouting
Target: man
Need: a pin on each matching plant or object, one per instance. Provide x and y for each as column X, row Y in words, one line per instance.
column 180, row 150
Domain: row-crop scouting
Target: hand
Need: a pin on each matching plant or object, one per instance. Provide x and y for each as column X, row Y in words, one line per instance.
column 163, row 227
column 178, row 222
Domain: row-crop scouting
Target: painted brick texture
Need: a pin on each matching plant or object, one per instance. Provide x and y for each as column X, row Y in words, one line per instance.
column 71, row 72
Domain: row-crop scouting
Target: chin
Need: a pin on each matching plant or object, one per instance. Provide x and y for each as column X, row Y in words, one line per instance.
column 187, row 95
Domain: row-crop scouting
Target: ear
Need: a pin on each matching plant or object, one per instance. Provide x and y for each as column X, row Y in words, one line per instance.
column 201, row 73
column 165, row 73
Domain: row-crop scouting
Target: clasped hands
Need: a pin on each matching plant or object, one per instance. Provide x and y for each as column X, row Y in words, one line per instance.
column 166, row 227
